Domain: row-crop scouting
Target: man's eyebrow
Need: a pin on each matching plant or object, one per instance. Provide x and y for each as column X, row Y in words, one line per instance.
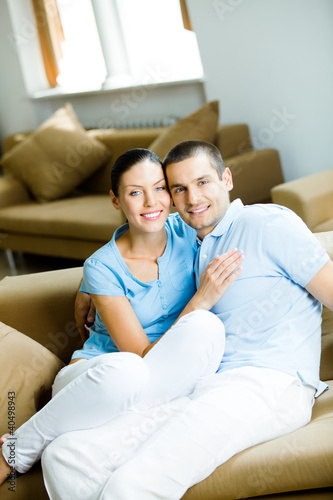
column 207, row 176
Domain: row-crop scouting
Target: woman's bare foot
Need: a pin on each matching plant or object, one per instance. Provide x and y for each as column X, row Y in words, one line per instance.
column 4, row 467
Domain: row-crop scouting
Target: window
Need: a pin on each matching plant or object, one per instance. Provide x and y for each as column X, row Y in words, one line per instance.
column 109, row 44
column 82, row 66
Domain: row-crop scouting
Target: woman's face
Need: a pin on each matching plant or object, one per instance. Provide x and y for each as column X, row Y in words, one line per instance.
column 143, row 197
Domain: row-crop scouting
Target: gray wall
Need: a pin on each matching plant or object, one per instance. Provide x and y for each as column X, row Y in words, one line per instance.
column 270, row 64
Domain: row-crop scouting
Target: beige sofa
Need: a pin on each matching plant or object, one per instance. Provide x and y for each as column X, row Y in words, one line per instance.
column 78, row 222
column 310, row 197
column 298, row 466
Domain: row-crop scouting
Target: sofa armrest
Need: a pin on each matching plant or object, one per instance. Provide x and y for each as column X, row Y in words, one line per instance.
column 46, row 308
column 233, row 140
column 12, row 192
column 310, row 197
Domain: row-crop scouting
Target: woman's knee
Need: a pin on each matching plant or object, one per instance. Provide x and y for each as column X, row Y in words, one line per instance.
column 206, row 327
column 124, row 368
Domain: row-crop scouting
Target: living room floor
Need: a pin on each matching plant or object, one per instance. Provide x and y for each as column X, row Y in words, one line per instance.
column 29, row 263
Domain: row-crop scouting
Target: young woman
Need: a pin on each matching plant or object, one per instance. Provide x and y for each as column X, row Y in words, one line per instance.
column 142, row 285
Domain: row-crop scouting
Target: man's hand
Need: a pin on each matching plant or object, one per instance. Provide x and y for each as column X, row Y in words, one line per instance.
column 84, row 311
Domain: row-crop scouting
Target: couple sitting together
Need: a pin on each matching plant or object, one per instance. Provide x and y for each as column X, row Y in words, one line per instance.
column 211, row 315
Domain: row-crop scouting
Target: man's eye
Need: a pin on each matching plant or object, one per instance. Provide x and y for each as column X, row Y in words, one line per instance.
column 179, row 190
column 202, row 182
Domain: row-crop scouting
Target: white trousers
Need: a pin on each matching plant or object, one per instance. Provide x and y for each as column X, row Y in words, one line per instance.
column 161, row 452
column 92, row 392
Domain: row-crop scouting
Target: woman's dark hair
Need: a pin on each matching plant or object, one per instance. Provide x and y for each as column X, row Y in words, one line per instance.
column 126, row 161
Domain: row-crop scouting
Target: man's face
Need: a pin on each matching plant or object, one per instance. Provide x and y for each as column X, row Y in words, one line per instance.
column 200, row 197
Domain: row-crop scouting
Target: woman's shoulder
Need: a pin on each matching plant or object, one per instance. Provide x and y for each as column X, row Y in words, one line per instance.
column 104, row 253
column 178, row 226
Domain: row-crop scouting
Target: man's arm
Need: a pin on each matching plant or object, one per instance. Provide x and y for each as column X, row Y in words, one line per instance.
column 84, row 311
column 321, row 285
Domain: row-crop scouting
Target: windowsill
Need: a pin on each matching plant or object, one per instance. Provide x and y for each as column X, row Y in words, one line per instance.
column 59, row 92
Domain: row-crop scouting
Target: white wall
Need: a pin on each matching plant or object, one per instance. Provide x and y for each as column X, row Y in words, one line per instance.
column 16, row 110
column 19, row 112
column 267, row 58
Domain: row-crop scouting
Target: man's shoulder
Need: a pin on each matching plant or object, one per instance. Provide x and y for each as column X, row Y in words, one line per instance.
column 260, row 213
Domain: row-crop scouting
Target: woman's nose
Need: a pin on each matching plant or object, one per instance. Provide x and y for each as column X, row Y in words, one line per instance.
column 149, row 200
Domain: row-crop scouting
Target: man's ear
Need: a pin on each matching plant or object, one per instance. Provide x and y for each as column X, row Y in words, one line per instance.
column 227, row 179
column 114, row 200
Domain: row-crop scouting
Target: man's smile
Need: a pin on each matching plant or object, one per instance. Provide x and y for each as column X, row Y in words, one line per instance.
column 198, row 211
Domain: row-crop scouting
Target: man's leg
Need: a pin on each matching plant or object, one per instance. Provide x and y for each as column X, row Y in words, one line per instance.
column 77, row 464
column 228, row 413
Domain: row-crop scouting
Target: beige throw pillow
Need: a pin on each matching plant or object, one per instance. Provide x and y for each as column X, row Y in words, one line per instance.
column 200, row 125
column 27, row 373
column 57, row 157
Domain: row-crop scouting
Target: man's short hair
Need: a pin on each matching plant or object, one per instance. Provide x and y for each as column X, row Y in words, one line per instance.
column 190, row 149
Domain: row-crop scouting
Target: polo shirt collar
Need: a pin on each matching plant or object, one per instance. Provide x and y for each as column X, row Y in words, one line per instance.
column 234, row 210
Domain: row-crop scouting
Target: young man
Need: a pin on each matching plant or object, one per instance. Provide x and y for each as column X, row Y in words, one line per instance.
column 268, row 378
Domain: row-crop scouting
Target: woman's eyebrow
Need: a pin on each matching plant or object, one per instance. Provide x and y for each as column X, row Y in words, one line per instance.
column 140, row 186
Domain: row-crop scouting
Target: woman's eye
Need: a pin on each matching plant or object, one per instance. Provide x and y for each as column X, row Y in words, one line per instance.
column 161, row 188
column 134, row 193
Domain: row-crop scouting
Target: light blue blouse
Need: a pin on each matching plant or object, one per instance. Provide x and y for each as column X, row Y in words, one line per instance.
column 157, row 303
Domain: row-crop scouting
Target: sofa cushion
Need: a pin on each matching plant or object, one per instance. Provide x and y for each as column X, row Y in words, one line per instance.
column 25, row 383
column 83, row 217
column 57, row 157
column 200, row 125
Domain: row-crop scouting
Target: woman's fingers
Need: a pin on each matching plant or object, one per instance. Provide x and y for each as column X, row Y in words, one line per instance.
column 224, row 265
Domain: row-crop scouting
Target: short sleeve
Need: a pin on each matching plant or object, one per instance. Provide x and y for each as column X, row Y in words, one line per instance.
column 292, row 246
column 99, row 279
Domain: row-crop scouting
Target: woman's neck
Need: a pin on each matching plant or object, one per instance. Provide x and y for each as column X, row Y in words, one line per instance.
column 142, row 245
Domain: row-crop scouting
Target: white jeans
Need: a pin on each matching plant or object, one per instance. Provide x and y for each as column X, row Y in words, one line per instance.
column 92, row 392
column 161, row 452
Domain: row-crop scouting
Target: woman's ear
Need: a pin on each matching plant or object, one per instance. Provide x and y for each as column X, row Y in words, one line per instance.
column 114, row 200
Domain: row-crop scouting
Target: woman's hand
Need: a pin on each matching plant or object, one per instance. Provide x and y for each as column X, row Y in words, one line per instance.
column 218, row 276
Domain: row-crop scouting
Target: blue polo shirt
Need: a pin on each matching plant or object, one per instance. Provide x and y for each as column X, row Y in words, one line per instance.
column 270, row 319
column 157, row 303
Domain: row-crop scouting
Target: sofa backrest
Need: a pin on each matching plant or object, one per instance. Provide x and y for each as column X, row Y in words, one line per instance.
column 232, row 140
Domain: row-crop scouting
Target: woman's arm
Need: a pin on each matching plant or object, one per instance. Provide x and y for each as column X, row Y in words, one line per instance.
column 218, row 276
column 122, row 323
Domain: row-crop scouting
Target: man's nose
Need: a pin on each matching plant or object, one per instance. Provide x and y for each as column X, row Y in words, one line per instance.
column 192, row 196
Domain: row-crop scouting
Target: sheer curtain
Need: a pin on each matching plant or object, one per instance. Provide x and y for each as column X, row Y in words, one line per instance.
column 50, row 35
